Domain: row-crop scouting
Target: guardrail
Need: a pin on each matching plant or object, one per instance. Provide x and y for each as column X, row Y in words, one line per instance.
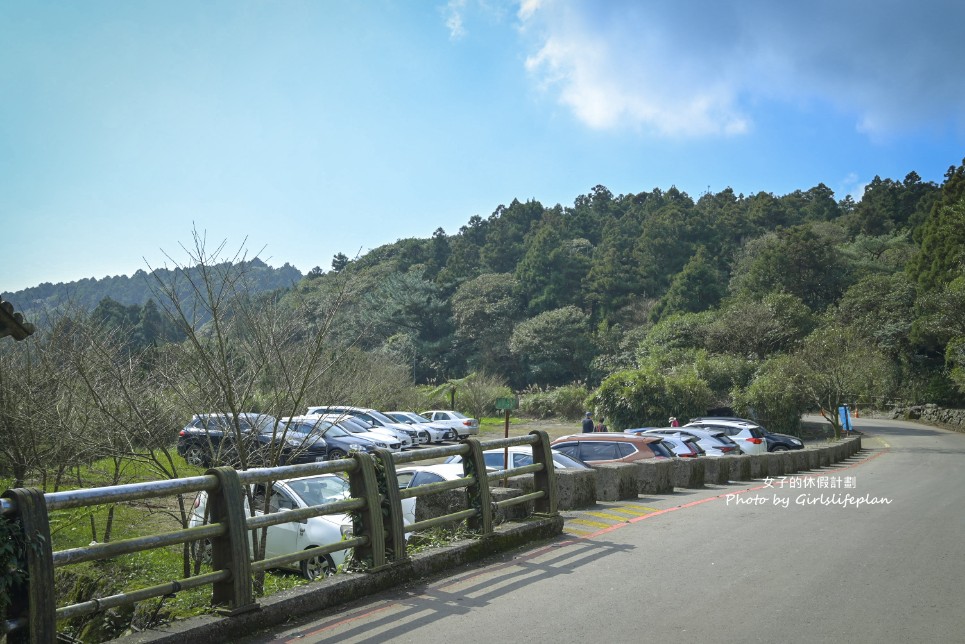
column 376, row 505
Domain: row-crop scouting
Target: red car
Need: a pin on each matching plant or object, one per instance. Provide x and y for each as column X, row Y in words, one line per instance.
column 611, row 448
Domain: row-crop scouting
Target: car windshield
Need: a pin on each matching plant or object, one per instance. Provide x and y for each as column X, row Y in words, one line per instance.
column 336, row 432
column 399, row 417
column 456, row 414
column 377, row 415
column 667, row 448
column 320, row 489
column 307, row 427
column 354, row 426
column 417, row 418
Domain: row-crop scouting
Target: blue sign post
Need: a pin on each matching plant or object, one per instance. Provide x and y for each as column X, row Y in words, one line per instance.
column 845, row 417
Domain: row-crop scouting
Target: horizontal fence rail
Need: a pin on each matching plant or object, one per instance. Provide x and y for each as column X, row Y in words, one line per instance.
column 378, row 535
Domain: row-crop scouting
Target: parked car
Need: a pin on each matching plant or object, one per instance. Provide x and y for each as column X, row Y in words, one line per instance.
column 291, row 537
column 424, row 474
column 213, row 438
column 713, row 442
column 408, row 435
column 364, row 430
column 463, row 425
column 340, row 441
column 775, row 442
column 521, row 456
column 437, row 433
column 418, row 475
column 781, row 442
column 611, row 447
column 682, row 446
column 749, row 436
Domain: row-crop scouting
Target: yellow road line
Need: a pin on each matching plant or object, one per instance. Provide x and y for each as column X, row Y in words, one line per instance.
column 606, row 515
column 593, row 524
column 634, row 510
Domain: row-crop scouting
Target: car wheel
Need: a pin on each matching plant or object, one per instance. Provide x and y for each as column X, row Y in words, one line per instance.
column 779, row 448
column 316, row 567
column 335, row 454
column 195, row 455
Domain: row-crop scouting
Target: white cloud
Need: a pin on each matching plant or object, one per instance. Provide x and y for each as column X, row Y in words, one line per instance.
column 697, row 68
column 454, row 22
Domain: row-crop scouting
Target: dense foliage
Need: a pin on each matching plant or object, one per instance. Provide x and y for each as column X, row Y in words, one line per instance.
column 655, row 297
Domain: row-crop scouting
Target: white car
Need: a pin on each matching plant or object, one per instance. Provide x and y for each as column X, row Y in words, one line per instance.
column 463, row 425
column 375, row 418
column 339, row 439
column 714, row 442
column 680, row 445
column 520, row 456
column 315, row 532
column 748, row 435
column 424, row 474
column 437, row 433
column 363, row 429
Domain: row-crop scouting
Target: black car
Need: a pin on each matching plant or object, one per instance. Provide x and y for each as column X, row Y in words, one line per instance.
column 782, row 442
column 340, row 441
column 213, row 439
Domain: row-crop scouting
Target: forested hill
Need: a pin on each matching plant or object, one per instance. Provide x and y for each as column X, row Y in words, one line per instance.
column 726, row 299
column 135, row 290
column 546, row 295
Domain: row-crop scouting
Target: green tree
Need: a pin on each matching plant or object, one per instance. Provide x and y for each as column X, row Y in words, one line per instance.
column 835, row 366
column 555, row 347
column 642, row 397
column 796, row 261
column 699, row 286
column 552, row 270
column 485, row 309
column 775, row 398
column 339, row 262
column 941, row 236
column 756, row 328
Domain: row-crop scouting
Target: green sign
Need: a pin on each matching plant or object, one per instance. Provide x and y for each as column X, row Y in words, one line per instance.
column 507, row 403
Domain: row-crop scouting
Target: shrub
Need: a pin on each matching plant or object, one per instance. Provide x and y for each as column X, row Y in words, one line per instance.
column 568, row 401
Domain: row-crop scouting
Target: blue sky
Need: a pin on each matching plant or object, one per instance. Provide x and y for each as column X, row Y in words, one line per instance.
column 298, row 130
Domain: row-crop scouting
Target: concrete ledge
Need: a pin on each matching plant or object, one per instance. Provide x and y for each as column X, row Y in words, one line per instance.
column 277, row 609
column 775, row 464
column 615, row 481
column 688, row 473
column 790, row 463
column 814, row 458
column 654, row 476
column 576, row 489
column 717, row 470
column 758, row 465
column 740, row 467
column 824, row 457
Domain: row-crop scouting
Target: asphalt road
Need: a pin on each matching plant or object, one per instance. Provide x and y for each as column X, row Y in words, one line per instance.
column 797, row 560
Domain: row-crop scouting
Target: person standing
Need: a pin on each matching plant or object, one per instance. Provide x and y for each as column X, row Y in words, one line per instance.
column 588, row 423
column 674, row 422
column 601, row 426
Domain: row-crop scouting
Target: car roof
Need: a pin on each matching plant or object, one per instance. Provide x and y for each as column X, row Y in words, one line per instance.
column 448, row 471
column 730, row 422
column 713, row 433
column 610, row 436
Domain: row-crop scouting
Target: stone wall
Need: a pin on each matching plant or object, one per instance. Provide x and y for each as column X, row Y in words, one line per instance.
column 948, row 418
